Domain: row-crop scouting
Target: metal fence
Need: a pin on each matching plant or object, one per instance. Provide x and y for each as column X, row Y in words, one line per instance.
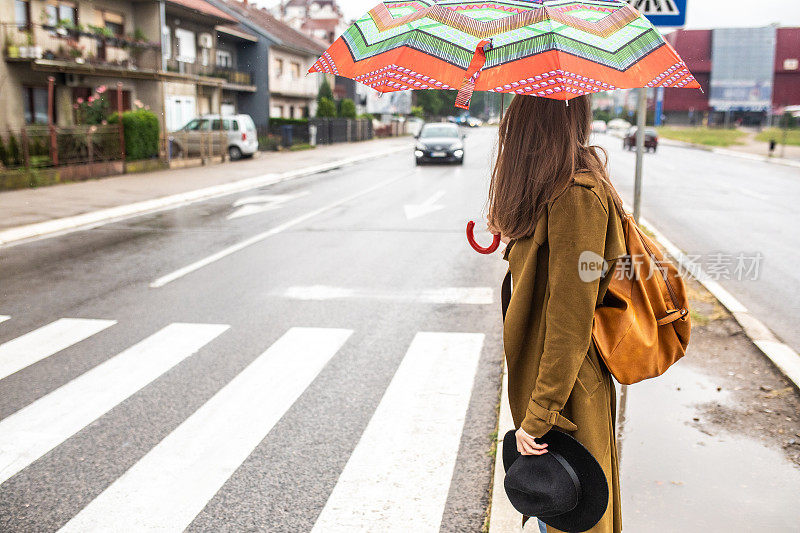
column 316, row 131
column 185, row 144
column 46, row 147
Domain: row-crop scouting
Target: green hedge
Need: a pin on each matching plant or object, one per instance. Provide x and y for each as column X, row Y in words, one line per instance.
column 141, row 134
column 288, row 121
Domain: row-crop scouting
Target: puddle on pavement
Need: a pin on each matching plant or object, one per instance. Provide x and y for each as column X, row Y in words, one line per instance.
column 677, row 477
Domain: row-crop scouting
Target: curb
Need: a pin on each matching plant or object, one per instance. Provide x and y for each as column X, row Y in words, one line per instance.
column 60, row 226
column 503, row 518
column 733, row 153
column 785, row 359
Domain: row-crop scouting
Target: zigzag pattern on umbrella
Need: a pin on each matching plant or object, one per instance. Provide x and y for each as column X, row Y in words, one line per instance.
column 549, row 74
column 621, row 59
column 605, row 27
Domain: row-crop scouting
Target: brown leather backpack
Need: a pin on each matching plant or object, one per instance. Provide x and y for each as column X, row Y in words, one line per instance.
column 643, row 326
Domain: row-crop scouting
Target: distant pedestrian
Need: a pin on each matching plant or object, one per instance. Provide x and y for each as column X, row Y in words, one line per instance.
column 772, row 146
column 552, row 201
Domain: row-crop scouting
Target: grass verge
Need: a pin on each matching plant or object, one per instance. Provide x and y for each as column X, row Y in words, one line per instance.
column 704, row 136
column 792, row 136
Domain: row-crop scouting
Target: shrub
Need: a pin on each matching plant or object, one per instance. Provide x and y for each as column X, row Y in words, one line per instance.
column 287, row 121
column 347, row 109
column 326, row 108
column 3, row 153
column 14, row 154
column 141, row 133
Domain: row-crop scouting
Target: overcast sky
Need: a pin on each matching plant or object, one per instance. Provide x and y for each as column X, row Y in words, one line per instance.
column 702, row 13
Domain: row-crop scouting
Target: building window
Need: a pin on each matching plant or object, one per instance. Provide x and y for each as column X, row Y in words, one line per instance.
column 51, row 14
column 187, row 48
column 204, row 57
column 34, row 105
column 295, row 71
column 22, row 14
column 114, row 22
column 279, row 68
column 67, row 13
column 277, row 111
column 224, row 59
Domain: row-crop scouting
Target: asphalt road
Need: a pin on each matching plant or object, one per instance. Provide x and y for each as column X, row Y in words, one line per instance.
column 719, row 208
column 322, row 354
column 273, row 360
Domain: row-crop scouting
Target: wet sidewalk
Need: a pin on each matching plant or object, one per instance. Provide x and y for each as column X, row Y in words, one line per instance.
column 711, row 446
column 34, row 206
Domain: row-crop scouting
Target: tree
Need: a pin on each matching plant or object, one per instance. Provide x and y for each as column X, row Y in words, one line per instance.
column 324, row 91
column 347, row 109
column 418, row 111
column 436, row 102
column 326, row 108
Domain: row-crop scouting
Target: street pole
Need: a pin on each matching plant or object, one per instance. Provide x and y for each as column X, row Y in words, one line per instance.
column 641, row 122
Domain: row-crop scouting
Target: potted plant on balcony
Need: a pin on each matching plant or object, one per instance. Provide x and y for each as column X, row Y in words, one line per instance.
column 12, row 50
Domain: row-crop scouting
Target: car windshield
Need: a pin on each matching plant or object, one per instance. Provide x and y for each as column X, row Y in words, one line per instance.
column 197, row 124
column 439, row 131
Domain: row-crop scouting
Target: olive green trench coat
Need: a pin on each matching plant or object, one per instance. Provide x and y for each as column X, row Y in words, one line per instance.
column 555, row 377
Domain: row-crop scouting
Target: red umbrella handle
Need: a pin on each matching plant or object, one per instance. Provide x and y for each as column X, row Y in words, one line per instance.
column 480, row 249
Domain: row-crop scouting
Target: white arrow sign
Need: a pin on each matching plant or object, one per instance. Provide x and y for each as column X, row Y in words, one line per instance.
column 251, row 205
column 425, row 208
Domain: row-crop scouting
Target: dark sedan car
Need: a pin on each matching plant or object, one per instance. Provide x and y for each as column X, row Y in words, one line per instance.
column 650, row 140
column 439, row 142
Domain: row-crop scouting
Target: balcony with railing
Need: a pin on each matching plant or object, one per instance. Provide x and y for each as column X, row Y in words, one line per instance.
column 78, row 48
column 233, row 78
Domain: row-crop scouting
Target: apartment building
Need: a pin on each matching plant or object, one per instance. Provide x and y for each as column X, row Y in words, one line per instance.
column 180, row 57
column 290, row 53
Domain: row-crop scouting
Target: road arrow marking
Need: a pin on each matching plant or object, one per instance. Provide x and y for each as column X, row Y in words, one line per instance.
column 425, row 208
column 251, row 205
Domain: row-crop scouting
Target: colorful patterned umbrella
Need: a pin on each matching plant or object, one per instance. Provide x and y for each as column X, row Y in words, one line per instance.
column 557, row 49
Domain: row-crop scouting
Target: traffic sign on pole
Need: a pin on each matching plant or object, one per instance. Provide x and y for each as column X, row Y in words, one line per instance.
column 662, row 12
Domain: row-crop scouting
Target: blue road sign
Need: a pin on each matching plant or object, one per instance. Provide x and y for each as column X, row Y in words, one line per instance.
column 662, row 12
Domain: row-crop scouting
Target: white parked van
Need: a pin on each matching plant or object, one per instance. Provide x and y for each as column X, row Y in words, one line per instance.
column 242, row 136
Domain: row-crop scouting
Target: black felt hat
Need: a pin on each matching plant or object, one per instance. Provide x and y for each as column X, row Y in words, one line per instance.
column 565, row 488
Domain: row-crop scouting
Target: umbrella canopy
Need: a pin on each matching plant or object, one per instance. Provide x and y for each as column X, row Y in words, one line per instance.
column 557, row 49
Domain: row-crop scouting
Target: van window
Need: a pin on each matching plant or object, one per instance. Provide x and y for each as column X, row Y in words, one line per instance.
column 235, row 124
column 247, row 123
column 198, row 124
column 226, row 124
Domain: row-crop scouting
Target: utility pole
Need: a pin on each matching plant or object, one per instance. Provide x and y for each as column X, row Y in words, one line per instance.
column 641, row 122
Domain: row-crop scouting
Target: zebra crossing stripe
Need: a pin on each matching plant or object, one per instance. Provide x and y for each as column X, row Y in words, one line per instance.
column 173, row 482
column 44, row 424
column 3, row 318
column 399, row 474
column 46, row 341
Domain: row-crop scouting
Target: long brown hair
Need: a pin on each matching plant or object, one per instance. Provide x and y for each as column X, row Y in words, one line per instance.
column 543, row 144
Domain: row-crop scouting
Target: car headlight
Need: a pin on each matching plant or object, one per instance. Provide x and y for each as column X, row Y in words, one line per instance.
column 457, row 146
column 420, row 147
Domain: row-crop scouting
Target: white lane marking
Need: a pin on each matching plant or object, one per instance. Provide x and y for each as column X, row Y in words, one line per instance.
column 197, row 265
column 783, row 356
column 425, row 208
column 261, row 203
column 3, row 318
column 170, row 485
column 41, row 426
column 399, row 474
column 445, row 295
column 105, row 216
column 753, row 194
column 41, row 343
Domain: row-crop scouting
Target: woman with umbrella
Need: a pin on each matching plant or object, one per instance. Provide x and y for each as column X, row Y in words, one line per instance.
column 550, row 194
